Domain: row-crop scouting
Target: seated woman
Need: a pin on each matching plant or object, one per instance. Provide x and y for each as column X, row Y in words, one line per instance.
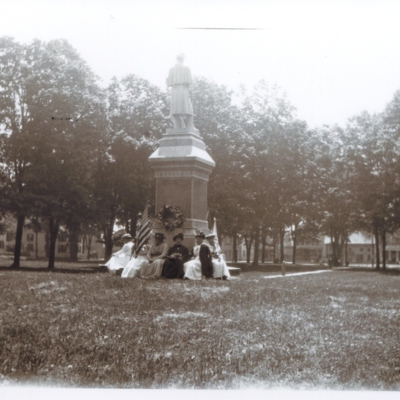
column 155, row 258
column 177, row 256
column 201, row 259
column 220, row 269
column 134, row 265
column 118, row 260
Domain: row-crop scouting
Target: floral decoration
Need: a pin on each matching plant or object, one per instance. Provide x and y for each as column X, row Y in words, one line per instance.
column 170, row 217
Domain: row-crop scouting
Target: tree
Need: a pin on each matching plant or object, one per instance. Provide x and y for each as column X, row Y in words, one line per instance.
column 16, row 117
column 53, row 139
column 123, row 182
column 374, row 155
column 335, row 205
column 273, row 161
column 221, row 125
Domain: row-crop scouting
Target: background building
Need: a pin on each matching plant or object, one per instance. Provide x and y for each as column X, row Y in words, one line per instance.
column 35, row 244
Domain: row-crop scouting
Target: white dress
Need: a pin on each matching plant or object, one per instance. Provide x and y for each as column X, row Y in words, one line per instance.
column 192, row 268
column 120, row 258
column 134, row 265
column 220, row 268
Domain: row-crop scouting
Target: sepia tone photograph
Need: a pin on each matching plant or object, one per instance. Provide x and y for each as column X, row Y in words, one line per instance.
column 199, row 198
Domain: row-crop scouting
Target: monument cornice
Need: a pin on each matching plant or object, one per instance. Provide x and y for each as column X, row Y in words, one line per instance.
column 181, row 163
column 181, row 160
column 192, row 131
column 178, row 173
column 182, row 141
column 182, row 168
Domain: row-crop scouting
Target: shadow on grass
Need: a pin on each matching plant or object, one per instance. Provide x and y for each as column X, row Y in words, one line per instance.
column 72, row 270
column 278, row 267
column 390, row 270
column 387, row 271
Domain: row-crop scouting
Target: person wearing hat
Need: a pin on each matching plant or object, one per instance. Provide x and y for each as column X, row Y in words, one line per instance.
column 118, row 260
column 178, row 254
column 197, row 266
column 155, row 258
column 220, row 269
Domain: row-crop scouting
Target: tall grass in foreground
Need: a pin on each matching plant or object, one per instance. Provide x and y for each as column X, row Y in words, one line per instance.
column 335, row 330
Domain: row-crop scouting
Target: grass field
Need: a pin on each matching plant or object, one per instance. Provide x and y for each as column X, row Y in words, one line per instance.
column 331, row 330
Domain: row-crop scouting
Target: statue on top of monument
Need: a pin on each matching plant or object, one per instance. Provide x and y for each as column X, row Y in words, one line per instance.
column 179, row 79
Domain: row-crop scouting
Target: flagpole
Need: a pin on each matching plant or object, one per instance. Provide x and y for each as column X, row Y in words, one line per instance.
column 138, row 224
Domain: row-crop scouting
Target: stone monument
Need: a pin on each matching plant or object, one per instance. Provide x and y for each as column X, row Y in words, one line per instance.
column 181, row 163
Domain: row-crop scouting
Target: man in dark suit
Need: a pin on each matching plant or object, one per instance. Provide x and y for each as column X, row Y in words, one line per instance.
column 177, row 256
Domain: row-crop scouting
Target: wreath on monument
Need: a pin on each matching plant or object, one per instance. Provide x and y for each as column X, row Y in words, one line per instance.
column 170, row 217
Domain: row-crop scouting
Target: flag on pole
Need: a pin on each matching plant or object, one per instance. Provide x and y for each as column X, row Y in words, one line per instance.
column 208, row 219
column 217, row 247
column 143, row 230
column 214, row 230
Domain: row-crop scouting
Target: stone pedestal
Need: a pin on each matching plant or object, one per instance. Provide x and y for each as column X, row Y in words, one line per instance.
column 182, row 168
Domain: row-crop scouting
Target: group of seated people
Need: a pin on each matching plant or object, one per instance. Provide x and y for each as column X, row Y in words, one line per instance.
column 176, row 262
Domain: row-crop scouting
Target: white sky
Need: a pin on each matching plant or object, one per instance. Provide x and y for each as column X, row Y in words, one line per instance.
column 334, row 59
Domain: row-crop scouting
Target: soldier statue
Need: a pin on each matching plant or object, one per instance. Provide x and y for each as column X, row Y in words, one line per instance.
column 179, row 79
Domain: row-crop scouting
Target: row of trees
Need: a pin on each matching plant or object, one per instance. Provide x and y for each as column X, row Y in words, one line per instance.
column 274, row 175
column 327, row 181
column 75, row 154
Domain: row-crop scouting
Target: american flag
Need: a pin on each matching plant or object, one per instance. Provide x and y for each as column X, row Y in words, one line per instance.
column 145, row 225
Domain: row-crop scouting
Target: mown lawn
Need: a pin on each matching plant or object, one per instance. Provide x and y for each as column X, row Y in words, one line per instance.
column 331, row 330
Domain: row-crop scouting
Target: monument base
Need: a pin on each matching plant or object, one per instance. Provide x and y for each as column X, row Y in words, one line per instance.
column 182, row 167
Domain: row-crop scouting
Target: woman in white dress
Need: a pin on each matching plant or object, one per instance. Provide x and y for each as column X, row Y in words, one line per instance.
column 134, row 265
column 220, row 269
column 119, row 259
column 192, row 268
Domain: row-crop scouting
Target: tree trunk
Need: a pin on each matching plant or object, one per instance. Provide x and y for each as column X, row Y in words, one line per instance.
column 335, row 250
column 256, row 246
column 281, row 241
column 234, row 248
column 74, row 246
column 377, row 257
column 46, row 244
column 36, row 244
column 383, row 234
column 343, row 239
column 54, row 225
column 263, row 244
column 88, row 244
column 84, row 244
column 248, row 242
column 109, row 243
column 294, row 240
column 18, row 241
